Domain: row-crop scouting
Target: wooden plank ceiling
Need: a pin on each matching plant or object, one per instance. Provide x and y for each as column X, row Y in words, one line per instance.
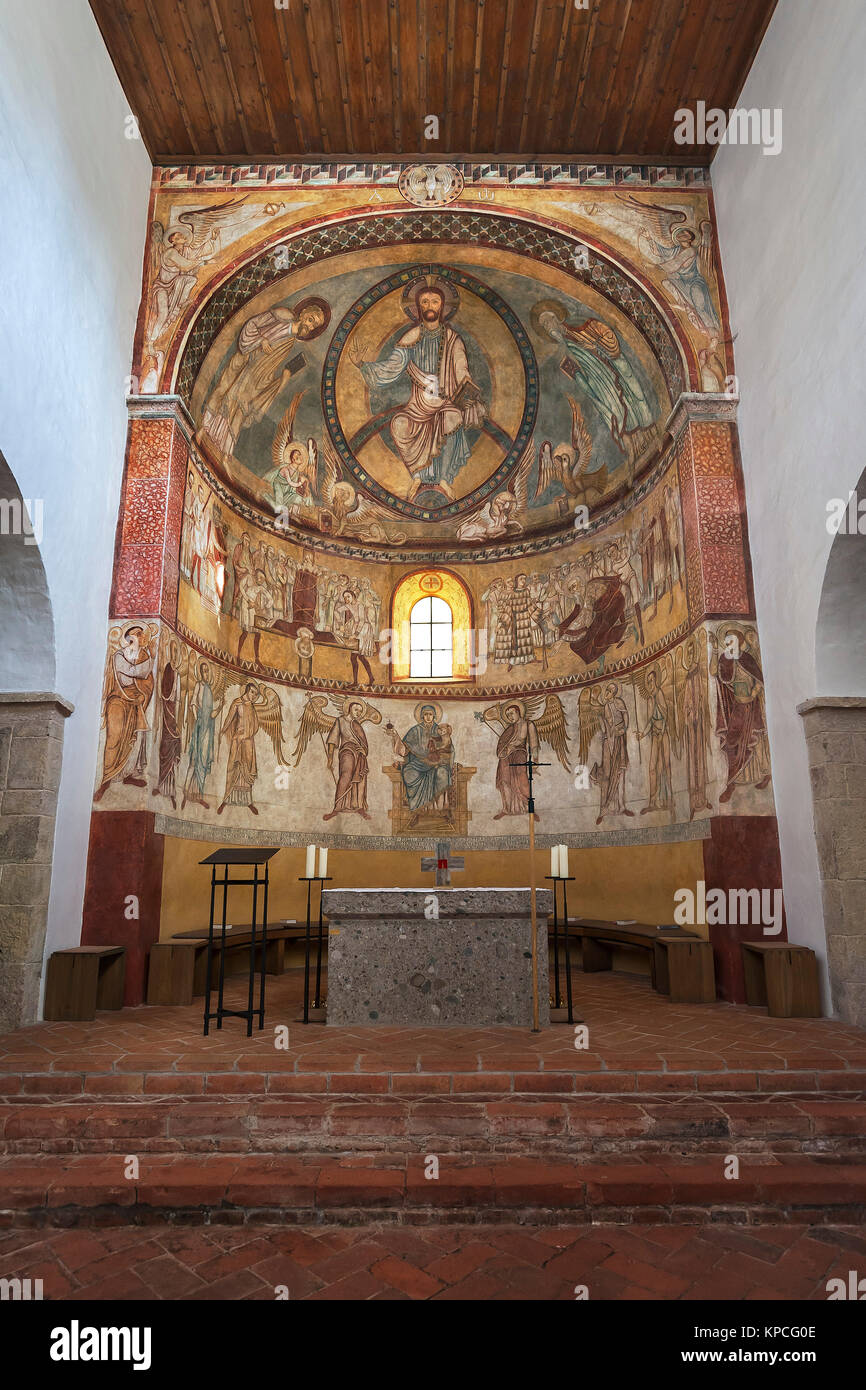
column 274, row 79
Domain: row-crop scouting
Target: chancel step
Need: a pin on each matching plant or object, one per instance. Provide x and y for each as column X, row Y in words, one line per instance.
column 92, row 1190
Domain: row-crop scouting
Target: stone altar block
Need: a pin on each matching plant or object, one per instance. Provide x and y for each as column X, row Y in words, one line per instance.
column 391, row 962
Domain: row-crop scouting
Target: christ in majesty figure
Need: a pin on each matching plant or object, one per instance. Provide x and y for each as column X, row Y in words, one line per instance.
column 430, row 431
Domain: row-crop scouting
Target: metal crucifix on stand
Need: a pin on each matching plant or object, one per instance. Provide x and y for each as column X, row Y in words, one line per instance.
column 531, row 764
column 442, row 864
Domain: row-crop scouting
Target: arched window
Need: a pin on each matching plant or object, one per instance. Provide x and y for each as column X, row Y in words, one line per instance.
column 432, row 637
column 431, row 640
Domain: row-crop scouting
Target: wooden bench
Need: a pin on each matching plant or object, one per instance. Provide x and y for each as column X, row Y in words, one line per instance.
column 83, row 979
column 782, row 977
column 177, row 970
column 681, row 964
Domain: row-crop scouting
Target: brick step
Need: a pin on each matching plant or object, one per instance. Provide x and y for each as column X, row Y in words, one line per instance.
column 541, row 1124
column 590, row 1076
column 316, row 1188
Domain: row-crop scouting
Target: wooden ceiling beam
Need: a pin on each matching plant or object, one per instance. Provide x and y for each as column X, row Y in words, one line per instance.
column 530, row 97
column 556, row 84
column 697, row 160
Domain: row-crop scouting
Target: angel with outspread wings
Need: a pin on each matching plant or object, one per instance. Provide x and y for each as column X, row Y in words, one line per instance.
column 499, row 516
column 656, row 685
column 344, row 742
column 176, row 256
column 686, row 255
column 201, row 707
column 345, row 512
column 294, row 476
column 126, row 694
column 691, row 684
column 605, row 714
column 256, row 708
column 525, row 724
column 566, row 465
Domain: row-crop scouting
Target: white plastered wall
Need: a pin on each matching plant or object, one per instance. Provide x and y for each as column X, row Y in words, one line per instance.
column 791, row 235
column 75, row 197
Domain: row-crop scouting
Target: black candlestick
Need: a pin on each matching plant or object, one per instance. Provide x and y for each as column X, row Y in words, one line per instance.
column 558, row 1004
column 317, row 1001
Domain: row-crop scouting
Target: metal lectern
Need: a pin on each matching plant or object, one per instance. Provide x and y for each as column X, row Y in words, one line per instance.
column 227, row 858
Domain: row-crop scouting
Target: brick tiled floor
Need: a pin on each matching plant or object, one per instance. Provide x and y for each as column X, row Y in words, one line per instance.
column 243, row 1142
column 632, row 1032
column 441, row 1262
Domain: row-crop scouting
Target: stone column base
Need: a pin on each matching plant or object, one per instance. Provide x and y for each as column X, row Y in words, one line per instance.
column 836, row 739
column 31, row 752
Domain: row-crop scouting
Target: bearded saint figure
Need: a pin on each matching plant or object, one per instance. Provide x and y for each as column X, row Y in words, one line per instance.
column 430, row 431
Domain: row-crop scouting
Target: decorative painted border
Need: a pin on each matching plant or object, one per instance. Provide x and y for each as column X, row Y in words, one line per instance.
column 329, row 402
column 587, row 839
column 325, row 175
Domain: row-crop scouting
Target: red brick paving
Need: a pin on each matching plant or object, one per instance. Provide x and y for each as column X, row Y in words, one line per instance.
column 446, row 1262
column 639, row 1041
column 528, row 1130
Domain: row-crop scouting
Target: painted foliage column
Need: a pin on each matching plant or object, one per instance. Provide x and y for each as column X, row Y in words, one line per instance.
column 124, row 872
column 743, row 850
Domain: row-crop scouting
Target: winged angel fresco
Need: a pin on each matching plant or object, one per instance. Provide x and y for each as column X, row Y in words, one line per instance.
column 670, row 239
column 344, row 742
column 192, row 697
column 294, row 477
column 567, row 464
column 523, row 726
column 499, row 516
column 177, row 253
column 345, row 512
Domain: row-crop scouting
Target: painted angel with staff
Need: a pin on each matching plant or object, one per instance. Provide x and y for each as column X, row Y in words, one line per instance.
column 524, row 724
column 345, row 743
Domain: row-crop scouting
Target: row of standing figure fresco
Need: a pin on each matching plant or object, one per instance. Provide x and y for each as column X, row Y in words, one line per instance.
column 693, row 719
column 585, row 606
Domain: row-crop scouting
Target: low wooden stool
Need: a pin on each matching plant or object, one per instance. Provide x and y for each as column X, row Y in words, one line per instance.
column 684, row 970
column 782, row 976
column 176, row 971
column 83, row 979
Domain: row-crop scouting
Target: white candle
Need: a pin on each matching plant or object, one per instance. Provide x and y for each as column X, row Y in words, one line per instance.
column 323, row 862
column 563, row 861
column 310, row 870
column 554, row 861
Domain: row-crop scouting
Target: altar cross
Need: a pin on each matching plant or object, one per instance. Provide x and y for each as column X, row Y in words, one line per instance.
column 442, row 864
column 530, row 766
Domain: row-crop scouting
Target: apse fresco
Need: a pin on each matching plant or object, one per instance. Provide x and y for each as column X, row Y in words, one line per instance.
column 655, row 752
column 510, row 390
column 443, row 405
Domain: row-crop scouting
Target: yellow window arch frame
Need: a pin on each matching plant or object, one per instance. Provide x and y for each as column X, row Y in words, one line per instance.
column 432, row 583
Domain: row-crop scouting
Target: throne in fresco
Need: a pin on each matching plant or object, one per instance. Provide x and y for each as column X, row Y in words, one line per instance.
column 449, row 814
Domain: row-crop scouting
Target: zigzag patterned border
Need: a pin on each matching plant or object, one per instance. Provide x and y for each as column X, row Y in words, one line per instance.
column 324, row 175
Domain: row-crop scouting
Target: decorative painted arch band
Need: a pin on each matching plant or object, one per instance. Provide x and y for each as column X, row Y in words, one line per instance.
column 539, row 241
column 514, row 448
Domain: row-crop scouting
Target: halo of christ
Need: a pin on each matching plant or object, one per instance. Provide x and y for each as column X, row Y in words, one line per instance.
column 431, row 416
